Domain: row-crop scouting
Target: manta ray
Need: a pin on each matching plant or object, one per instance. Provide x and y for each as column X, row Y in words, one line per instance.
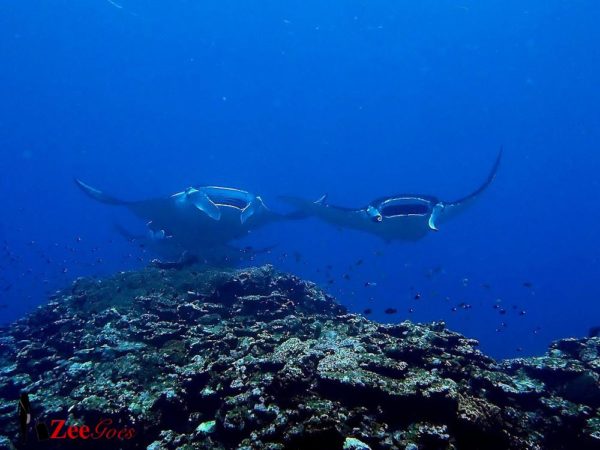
column 397, row 217
column 198, row 218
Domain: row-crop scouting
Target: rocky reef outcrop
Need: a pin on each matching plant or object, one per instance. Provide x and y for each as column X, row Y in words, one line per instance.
column 254, row 359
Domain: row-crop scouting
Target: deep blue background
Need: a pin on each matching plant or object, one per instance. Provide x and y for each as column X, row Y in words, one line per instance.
column 355, row 98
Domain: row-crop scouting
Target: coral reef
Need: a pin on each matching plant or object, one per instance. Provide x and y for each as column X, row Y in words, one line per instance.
column 254, row 359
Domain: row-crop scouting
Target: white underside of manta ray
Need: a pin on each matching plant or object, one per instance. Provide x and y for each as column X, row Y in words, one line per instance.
column 197, row 219
column 407, row 217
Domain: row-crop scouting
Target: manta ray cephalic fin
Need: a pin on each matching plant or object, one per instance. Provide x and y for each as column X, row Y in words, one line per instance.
column 201, row 201
column 253, row 206
column 205, row 204
column 437, row 210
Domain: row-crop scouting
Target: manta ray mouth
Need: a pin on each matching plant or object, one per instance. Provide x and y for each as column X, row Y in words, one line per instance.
column 233, row 198
column 232, row 202
column 405, row 207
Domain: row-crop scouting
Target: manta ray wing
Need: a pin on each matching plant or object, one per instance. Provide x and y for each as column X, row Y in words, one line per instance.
column 98, row 195
column 444, row 210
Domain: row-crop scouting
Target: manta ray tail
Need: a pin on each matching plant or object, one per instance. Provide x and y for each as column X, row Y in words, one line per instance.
column 302, row 203
column 304, row 207
column 99, row 195
column 485, row 184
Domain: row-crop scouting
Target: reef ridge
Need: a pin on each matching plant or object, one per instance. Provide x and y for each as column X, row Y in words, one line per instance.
column 195, row 358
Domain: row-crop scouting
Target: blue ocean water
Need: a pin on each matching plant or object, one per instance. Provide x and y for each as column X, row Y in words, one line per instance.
column 355, row 99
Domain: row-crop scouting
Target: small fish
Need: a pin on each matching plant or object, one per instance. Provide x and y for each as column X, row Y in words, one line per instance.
column 522, row 312
column 346, row 276
column 359, row 262
column 367, row 311
column 411, row 310
column 391, row 311
column 527, row 284
column 417, row 296
column 502, row 311
column 370, row 284
column 3, row 305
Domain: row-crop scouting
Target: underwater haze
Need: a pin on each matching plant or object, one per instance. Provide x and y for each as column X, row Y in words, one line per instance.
column 356, row 99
